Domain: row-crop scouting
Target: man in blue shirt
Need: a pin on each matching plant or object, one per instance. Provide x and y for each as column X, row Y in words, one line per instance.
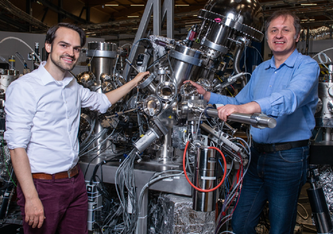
column 286, row 88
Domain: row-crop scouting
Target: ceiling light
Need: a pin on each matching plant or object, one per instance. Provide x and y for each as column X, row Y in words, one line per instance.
column 137, row 5
column 132, row 16
column 308, row 4
column 182, row 5
column 303, row 20
column 111, row 5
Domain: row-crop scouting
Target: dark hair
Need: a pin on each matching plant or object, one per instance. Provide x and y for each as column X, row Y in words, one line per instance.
column 284, row 13
column 50, row 35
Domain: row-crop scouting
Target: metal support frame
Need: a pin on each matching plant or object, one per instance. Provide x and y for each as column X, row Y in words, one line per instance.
column 169, row 12
column 152, row 6
column 58, row 10
column 143, row 174
column 28, row 10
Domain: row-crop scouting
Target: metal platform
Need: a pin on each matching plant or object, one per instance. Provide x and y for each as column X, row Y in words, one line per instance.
column 143, row 173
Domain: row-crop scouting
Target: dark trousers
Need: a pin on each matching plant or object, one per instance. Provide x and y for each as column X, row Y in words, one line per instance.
column 65, row 204
column 275, row 177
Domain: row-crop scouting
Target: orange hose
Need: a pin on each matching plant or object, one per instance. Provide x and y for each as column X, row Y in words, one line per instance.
column 188, row 180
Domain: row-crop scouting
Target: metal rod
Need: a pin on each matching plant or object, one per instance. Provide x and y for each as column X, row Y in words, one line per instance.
column 256, row 120
column 132, row 66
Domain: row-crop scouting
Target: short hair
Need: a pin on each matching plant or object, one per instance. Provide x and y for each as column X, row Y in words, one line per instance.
column 51, row 33
column 284, row 13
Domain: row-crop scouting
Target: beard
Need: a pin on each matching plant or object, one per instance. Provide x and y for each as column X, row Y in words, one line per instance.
column 61, row 65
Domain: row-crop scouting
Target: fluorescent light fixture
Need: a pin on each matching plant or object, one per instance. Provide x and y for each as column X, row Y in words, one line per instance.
column 138, row 5
column 111, row 5
column 182, row 5
column 132, row 16
column 195, row 15
column 303, row 20
column 308, row 4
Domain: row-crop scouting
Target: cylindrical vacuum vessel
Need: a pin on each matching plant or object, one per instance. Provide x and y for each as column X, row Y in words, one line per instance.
column 102, row 55
column 205, row 178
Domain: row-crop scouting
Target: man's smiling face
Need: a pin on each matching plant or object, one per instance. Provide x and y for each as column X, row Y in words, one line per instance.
column 65, row 49
column 281, row 36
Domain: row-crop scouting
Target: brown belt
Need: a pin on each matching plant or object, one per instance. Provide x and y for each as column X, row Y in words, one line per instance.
column 61, row 175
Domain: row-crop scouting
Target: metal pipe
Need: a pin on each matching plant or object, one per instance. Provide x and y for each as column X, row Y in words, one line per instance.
column 257, row 120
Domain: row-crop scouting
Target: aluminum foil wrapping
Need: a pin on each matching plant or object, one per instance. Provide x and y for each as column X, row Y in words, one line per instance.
column 171, row 214
column 5, row 164
column 326, row 182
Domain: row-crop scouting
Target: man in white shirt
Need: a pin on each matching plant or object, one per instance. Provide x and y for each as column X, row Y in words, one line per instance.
column 42, row 121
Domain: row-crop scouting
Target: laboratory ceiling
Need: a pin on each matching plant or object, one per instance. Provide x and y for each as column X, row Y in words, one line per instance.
column 104, row 17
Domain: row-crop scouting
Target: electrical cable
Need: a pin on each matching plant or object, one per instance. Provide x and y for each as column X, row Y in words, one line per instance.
column 100, row 143
column 134, row 44
column 156, row 61
column 227, row 232
column 92, row 126
column 306, row 212
column 5, row 161
column 98, row 135
column 223, row 221
column 100, row 154
column 253, row 47
column 20, row 40
column 21, row 59
column 124, row 180
column 331, row 48
column 319, row 54
column 155, row 178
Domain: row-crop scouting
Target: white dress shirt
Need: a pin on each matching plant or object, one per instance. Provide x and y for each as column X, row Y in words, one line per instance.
column 43, row 116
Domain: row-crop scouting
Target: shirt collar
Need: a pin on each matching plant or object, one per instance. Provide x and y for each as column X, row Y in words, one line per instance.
column 290, row 62
column 46, row 77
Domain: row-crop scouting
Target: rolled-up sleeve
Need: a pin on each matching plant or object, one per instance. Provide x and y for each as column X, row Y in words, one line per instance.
column 20, row 107
column 94, row 100
column 301, row 91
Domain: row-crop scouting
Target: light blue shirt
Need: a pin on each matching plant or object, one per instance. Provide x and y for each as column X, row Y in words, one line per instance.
column 288, row 93
column 43, row 116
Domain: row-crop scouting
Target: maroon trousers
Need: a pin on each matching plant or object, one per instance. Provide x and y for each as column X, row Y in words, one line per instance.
column 65, row 204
